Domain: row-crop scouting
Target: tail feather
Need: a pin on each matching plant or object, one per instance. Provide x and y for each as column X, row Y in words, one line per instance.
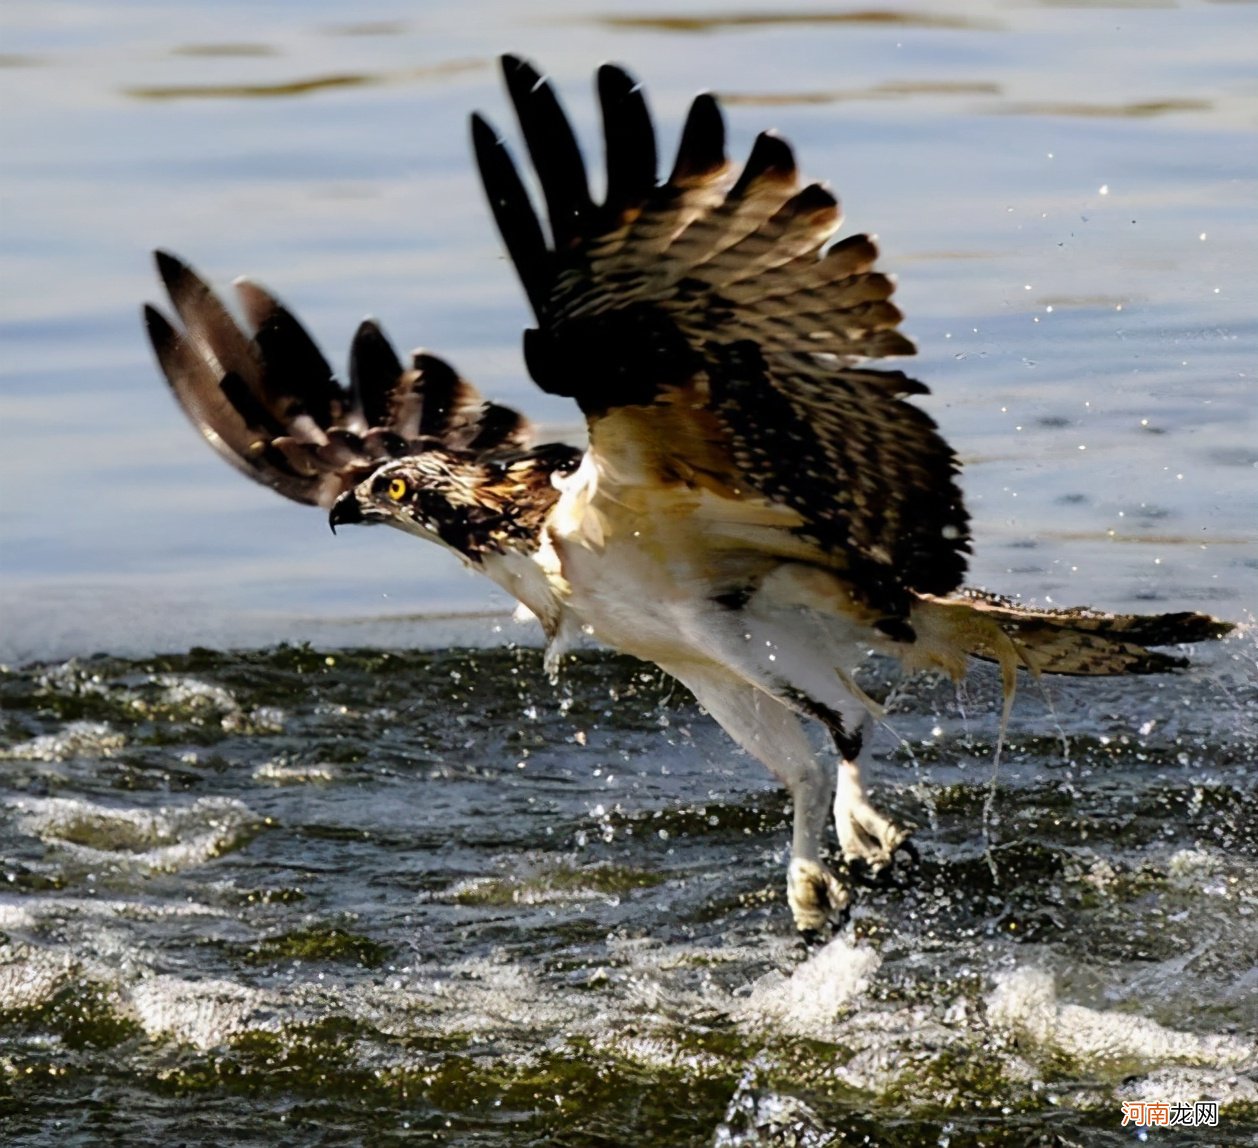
column 1075, row 641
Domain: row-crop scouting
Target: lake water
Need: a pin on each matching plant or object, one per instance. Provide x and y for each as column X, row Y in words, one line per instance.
column 390, row 886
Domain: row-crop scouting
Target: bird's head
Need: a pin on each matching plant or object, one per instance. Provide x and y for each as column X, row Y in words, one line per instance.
column 470, row 505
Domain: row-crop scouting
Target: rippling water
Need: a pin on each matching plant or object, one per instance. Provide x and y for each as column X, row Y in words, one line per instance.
column 302, row 897
column 391, row 887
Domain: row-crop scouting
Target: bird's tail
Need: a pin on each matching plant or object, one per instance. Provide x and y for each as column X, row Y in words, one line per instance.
column 1041, row 641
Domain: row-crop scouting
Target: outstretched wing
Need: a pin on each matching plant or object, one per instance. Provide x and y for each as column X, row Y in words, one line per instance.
column 703, row 323
column 271, row 405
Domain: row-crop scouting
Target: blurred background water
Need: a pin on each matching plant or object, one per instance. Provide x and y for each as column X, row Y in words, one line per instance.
column 1095, row 160
column 316, row 898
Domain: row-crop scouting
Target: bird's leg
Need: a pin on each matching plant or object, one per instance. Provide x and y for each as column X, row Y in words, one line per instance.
column 769, row 730
column 866, row 834
column 815, row 895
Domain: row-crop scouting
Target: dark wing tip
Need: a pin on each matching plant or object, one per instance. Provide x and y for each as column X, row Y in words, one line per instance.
column 178, row 277
column 1206, row 627
column 168, row 263
column 513, row 65
column 258, row 304
column 816, row 197
column 155, row 322
column 432, row 366
column 165, row 340
column 371, row 346
column 553, row 148
column 1155, row 662
column 497, row 426
column 493, row 159
column 771, row 158
column 1186, row 626
column 854, row 255
column 512, row 210
column 170, row 267
column 614, row 80
column 374, row 370
column 629, row 141
column 523, row 79
column 701, row 152
column 484, row 134
column 892, row 344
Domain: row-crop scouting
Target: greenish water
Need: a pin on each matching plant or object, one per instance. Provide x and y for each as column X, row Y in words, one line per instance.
column 392, row 887
column 308, row 897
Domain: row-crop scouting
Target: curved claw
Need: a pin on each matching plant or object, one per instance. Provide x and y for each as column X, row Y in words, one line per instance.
column 816, row 896
column 888, row 875
column 866, row 835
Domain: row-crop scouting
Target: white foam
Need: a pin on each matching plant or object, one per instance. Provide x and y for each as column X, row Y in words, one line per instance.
column 1187, row 1085
column 15, row 915
column 162, row 840
column 75, row 739
column 535, row 880
column 1199, row 870
column 816, row 991
column 38, row 912
column 30, row 976
column 193, row 695
column 286, row 773
column 205, row 1013
column 758, row 1116
column 1024, row 1001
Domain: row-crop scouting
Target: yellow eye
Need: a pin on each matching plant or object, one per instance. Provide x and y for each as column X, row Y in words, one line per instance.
column 397, row 489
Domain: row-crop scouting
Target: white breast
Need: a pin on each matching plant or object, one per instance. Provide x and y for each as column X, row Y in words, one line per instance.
column 629, row 576
column 642, row 566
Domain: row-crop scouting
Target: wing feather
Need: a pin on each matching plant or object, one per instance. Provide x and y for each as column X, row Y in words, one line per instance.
column 194, row 380
column 270, row 404
column 712, row 305
column 374, row 372
column 630, row 136
column 207, row 322
column 513, row 212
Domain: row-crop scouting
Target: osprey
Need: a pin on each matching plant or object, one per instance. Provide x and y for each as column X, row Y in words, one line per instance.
column 755, row 511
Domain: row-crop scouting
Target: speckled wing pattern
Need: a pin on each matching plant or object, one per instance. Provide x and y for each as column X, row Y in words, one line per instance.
column 1076, row 640
column 714, row 293
column 270, row 404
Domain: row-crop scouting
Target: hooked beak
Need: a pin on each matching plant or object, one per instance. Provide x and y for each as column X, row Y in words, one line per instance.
column 345, row 511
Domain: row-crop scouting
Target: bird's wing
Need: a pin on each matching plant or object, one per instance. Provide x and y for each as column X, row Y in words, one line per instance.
column 270, row 404
column 702, row 324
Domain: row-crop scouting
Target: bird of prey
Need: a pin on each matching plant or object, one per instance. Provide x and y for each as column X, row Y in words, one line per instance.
column 756, row 509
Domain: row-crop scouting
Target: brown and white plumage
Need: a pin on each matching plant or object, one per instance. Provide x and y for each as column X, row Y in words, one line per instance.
column 270, row 404
column 711, row 295
column 756, row 508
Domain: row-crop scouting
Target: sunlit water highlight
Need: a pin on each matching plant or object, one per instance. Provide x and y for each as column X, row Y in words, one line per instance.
column 394, row 892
